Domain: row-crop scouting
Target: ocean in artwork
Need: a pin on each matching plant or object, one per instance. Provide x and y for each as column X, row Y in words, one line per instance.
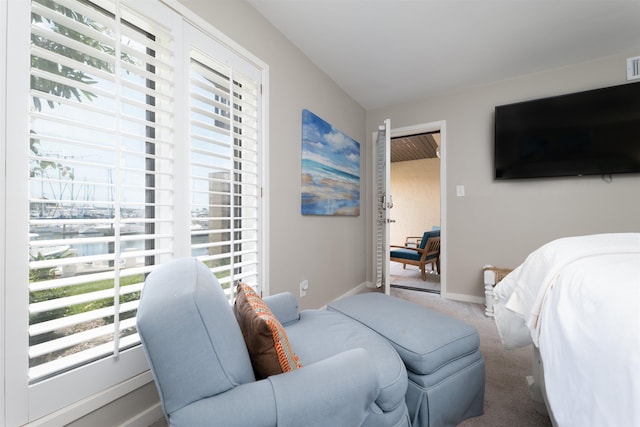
column 330, row 169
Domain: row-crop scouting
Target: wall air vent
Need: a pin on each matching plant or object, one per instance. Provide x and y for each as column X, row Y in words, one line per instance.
column 633, row 68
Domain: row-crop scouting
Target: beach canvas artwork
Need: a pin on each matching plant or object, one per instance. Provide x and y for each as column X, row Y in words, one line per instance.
column 330, row 169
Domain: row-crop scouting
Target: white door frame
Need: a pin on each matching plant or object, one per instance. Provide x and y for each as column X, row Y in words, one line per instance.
column 440, row 126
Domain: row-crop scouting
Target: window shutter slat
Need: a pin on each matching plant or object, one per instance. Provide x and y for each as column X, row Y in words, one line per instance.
column 224, row 174
column 110, row 184
column 98, row 156
column 65, row 322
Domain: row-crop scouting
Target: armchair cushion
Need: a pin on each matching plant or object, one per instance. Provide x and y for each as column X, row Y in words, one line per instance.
column 319, row 334
column 426, row 235
column 412, row 254
column 266, row 339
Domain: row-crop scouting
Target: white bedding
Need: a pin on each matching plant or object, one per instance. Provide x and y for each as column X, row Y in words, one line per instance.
column 578, row 300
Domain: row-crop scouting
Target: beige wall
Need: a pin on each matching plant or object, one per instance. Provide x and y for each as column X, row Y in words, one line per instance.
column 415, row 186
column 320, row 249
column 501, row 222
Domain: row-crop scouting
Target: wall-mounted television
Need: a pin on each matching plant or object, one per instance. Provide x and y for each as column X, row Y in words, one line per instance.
column 596, row 132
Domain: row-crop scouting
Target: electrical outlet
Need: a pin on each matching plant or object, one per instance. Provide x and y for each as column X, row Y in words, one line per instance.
column 304, row 285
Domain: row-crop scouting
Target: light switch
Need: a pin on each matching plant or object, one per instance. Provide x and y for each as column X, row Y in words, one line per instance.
column 304, row 286
column 460, row 190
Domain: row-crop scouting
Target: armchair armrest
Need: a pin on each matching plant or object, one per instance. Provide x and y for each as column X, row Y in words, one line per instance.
column 414, row 241
column 335, row 391
column 284, row 306
column 250, row 404
column 408, row 247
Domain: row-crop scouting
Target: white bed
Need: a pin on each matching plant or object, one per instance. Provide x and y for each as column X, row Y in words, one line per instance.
column 577, row 300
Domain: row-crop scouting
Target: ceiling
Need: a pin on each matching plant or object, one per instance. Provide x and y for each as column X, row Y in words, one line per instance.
column 415, row 147
column 388, row 52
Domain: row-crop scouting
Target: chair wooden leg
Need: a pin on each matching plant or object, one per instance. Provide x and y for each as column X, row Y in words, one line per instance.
column 424, row 273
column 404, row 266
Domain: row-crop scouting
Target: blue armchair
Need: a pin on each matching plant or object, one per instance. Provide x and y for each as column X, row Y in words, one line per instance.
column 204, row 376
column 424, row 251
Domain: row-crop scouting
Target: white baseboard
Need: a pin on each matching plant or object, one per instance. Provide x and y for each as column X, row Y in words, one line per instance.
column 447, row 295
column 358, row 289
column 369, row 285
column 146, row 418
column 464, row 298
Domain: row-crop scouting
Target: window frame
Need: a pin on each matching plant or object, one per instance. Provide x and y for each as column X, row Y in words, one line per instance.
column 20, row 402
column 3, row 137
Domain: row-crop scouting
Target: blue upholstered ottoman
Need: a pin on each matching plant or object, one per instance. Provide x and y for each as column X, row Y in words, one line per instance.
column 445, row 368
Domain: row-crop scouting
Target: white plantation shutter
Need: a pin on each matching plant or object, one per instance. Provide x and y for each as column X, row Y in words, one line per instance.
column 142, row 144
column 383, row 204
column 100, row 187
column 225, row 184
column 379, row 205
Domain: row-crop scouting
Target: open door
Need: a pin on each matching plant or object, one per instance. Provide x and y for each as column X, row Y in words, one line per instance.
column 383, row 204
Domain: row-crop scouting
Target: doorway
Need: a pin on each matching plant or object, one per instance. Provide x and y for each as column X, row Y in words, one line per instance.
column 418, row 189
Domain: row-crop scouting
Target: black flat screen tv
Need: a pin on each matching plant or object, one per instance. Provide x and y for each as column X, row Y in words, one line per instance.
column 596, row 132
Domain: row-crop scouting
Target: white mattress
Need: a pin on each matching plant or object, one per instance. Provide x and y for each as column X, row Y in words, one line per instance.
column 578, row 300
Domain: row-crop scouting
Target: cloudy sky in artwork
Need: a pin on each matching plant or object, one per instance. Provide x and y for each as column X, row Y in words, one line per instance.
column 324, row 144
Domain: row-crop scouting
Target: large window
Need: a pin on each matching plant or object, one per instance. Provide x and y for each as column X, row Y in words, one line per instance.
column 100, row 148
column 115, row 178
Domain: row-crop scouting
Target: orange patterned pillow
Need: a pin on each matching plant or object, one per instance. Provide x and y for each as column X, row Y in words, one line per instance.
column 266, row 339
